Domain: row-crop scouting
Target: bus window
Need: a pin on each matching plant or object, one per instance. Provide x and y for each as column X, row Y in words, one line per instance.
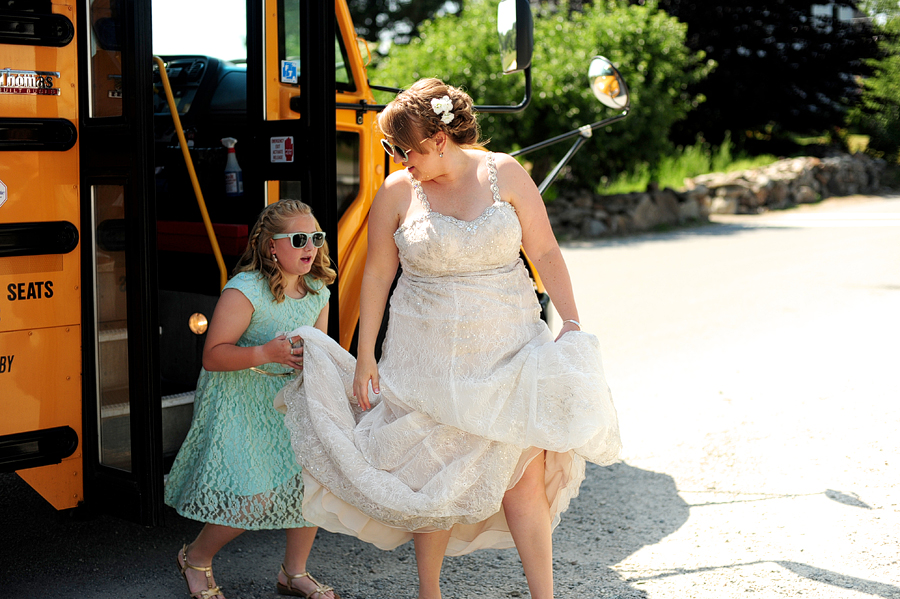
column 112, row 326
column 105, row 64
column 289, row 46
column 347, row 167
column 343, row 78
column 289, row 34
column 347, row 184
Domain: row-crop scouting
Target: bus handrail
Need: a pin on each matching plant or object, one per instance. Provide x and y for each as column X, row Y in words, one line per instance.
column 210, row 232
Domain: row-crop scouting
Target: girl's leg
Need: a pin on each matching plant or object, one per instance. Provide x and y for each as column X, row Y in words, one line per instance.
column 201, row 552
column 299, row 544
column 430, row 549
column 528, row 515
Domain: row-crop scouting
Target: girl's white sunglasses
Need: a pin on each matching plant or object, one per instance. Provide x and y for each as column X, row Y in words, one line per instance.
column 299, row 240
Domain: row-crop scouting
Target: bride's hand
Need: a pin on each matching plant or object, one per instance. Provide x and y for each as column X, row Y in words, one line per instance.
column 366, row 370
column 566, row 327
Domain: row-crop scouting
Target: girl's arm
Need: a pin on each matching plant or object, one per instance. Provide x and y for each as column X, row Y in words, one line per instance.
column 382, row 260
column 538, row 240
column 322, row 320
column 230, row 319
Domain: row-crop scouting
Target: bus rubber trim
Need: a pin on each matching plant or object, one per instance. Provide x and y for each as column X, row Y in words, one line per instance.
column 37, row 448
column 28, row 29
column 48, row 135
column 35, row 239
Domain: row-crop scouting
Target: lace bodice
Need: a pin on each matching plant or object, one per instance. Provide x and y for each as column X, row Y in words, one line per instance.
column 434, row 244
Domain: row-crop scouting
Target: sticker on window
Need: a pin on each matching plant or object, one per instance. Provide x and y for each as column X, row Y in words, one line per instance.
column 289, row 70
column 282, row 149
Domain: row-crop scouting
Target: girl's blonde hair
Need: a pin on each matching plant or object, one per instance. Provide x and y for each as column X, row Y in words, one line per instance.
column 258, row 255
column 409, row 119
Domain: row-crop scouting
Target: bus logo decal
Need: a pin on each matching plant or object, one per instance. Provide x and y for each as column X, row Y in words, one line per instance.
column 35, row 83
column 3, row 194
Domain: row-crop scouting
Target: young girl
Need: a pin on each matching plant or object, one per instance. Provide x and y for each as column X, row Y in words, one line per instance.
column 236, row 470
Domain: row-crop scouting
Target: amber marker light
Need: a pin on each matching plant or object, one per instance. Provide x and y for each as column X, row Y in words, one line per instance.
column 198, row 323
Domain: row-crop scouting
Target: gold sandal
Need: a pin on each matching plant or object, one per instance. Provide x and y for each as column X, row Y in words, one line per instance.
column 211, row 591
column 288, row 589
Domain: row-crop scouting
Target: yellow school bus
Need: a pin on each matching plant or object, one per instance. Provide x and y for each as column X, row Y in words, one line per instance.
column 110, row 259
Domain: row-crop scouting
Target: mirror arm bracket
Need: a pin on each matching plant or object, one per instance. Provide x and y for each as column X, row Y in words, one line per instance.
column 573, row 133
column 502, row 109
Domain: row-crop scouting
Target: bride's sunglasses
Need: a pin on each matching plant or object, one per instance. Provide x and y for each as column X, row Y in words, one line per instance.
column 394, row 151
column 299, row 240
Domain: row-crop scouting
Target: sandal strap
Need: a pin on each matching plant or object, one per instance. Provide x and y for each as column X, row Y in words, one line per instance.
column 206, row 594
column 186, row 564
column 210, row 591
column 321, row 589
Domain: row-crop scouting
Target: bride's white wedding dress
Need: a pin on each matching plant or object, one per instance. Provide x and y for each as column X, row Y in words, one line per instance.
column 473, row 387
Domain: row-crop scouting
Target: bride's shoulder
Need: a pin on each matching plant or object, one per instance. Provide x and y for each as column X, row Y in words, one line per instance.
column 396, row 186
column 393, row 197
column 508, row 168
column 505, row 162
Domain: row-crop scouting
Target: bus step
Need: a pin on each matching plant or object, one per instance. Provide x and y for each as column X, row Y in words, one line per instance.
column 177, row 411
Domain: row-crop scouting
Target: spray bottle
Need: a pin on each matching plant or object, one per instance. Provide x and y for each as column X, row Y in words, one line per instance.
column 234, row 180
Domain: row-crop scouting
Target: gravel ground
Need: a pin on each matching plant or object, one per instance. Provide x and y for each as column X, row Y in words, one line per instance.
column 755, row 373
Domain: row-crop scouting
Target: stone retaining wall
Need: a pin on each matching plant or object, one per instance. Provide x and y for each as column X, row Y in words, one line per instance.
column 785, row 183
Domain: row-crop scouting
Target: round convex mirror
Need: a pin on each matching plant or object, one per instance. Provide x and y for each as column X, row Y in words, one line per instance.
column 607, row 84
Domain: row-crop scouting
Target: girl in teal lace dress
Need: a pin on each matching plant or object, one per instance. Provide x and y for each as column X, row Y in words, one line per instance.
column 236, row 470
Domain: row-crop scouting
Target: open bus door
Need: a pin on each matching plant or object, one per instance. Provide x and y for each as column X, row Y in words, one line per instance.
column 121, row 440
column 286, row 148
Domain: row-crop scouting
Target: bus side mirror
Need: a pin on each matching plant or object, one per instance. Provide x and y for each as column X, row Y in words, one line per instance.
column 607, row 84
column 516, row 29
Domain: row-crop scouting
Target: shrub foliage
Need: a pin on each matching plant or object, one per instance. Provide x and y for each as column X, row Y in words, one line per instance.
column 646, row 45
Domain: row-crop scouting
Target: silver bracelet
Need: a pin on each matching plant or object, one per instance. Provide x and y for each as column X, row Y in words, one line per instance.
column 575, row 322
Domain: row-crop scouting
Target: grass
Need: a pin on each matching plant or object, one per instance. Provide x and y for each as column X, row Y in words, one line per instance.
column 688, row 161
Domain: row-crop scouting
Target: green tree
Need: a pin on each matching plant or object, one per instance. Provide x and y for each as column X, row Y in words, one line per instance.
column 397, row 20
column 647, row 45
column 781, row 64
column 880, row 10
column 879, row 113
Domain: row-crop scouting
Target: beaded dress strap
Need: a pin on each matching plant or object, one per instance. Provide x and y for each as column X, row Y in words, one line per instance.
column 420, row 193
column 492, row 177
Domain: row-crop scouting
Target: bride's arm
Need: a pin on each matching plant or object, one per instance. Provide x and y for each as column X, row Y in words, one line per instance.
column 517, row 188
column 382, row 260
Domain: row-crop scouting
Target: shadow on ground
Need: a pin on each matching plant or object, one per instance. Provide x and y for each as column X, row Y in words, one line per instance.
column 620, row 509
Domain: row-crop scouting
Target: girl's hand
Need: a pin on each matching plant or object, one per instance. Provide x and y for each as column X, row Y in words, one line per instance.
column 286, row 351
column 366, row 371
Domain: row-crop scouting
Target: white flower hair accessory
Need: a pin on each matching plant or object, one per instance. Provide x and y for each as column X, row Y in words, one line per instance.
column 443, row 106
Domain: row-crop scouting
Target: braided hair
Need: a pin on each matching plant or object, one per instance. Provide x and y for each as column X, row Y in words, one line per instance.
column 409, row 119
column 258, row 255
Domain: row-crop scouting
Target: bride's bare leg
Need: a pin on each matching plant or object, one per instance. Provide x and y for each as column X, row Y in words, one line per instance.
column 528, row 515
column 430, row 549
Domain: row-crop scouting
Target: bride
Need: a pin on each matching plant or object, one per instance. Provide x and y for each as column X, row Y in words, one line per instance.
column 473, row 430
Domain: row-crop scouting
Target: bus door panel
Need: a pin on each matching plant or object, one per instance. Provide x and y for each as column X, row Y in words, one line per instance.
column 122, row 406
column 290, row 105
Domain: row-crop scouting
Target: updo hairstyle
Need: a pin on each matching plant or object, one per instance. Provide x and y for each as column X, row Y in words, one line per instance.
column 409, row 119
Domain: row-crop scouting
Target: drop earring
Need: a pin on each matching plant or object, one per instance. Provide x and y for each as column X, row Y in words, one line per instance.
column 441, row 155
column 275, row 258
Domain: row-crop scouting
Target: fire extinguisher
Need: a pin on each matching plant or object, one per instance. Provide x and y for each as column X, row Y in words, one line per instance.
column 234, row 179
